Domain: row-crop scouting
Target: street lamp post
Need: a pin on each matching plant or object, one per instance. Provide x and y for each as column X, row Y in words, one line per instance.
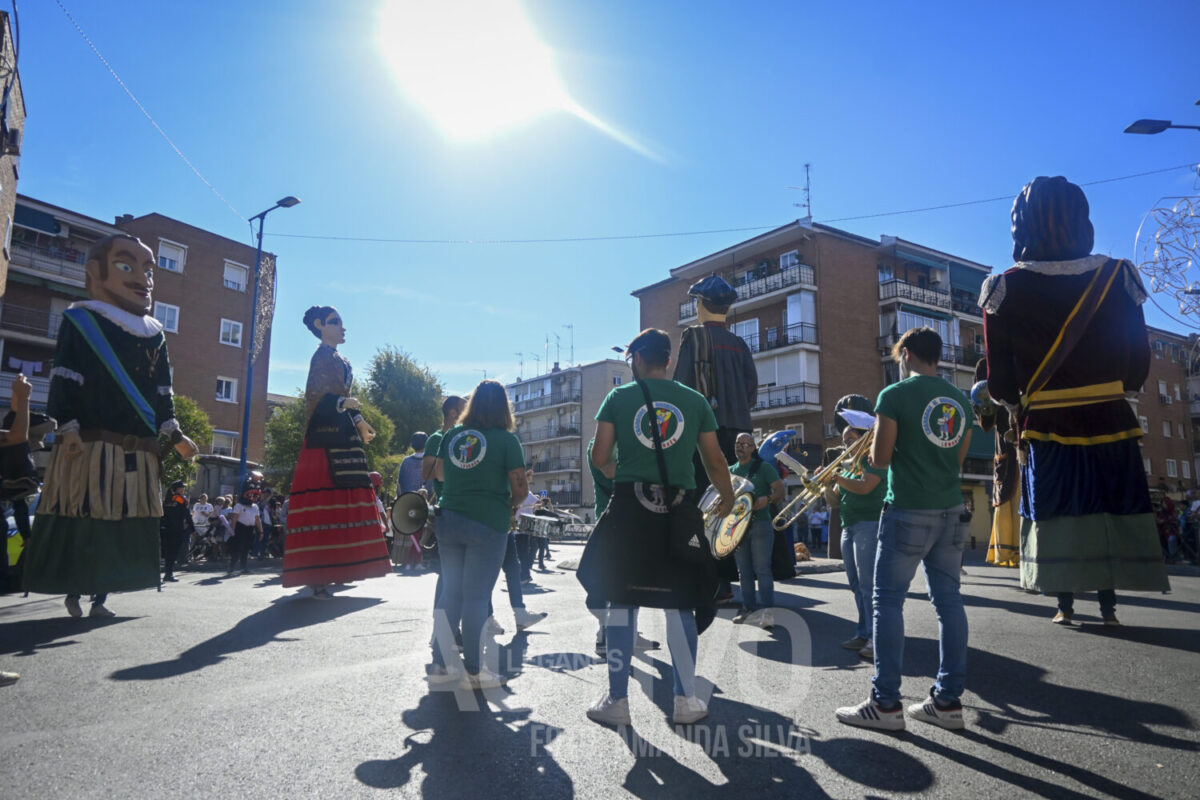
column 1156, row 126
column 286, row 202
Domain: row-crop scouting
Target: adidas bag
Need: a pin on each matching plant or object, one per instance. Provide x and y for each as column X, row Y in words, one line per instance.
column 686, row 543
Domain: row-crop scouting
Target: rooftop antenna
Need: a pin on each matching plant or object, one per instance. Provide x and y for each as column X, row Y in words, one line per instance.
column 557, row 349
column 807, row 189
column 537, row 363
column 520, row 365
column 571, row 328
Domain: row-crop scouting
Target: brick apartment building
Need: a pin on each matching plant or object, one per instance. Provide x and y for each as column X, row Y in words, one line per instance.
column 820, row 309
column 554, row 415
column 12, row 126
column 1165, row 411
column 202, row 295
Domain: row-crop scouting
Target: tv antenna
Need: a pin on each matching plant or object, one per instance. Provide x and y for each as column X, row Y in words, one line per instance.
column 807, row 189
column 571, row 328
column 557, row 348
column 520, row 365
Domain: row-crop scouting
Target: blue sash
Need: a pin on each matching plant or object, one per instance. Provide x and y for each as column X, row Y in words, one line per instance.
column 85, row 323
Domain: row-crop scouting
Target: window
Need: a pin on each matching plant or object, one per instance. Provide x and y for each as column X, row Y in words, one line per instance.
column 1146, row 461
column 1166, row 429
column 224, row 443
column 168, row 315
column 1186, row 469
column 772, row 336
column 235, row 276
column 1158, row 350
column 231, row 333
column 1177, row 397
column 790, row 259
column 747, row 330
column 171, row 255
column 1162, row 391
column 885, row 272
column 1179, row 429
column 227, row 389
column 616, row 380
column 1145, row 425
column 1172, row 472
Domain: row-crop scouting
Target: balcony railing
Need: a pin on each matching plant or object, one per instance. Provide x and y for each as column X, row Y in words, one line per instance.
column 37, row 397
column 773, row 338
column 37, row 321
column 968, row 307
column 795, row 394
column 565, row 498
column 556, row 465
column 547, row 432
column 558, row 398
column 791, row 276
column 896, row 289
column 48, row 260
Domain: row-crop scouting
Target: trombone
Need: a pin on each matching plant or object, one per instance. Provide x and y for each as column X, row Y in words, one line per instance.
column 814, row 485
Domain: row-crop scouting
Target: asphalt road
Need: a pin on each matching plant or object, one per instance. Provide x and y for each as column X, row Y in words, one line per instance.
column 236, row 688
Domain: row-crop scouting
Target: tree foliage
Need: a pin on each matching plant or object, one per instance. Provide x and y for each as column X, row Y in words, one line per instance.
column 407, row 392
column 196, row 426
column 285, row 436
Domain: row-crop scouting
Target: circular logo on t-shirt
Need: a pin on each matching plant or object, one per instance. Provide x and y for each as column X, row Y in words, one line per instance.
column 668, row 419
column 944, row 422
column 467, row 449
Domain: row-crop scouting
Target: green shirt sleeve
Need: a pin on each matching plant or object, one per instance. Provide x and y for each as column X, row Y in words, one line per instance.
column 886, row 404
column 514, row 454
column 605, row 414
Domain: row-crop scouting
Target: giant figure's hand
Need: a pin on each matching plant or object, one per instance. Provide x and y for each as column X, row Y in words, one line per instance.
column 186, row 448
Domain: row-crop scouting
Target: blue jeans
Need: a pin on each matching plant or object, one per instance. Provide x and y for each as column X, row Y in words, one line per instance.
column 471, row 554
column 512, row 575
column 934, row 538
column 682, row 640
column 753, row 557
column 858, row 554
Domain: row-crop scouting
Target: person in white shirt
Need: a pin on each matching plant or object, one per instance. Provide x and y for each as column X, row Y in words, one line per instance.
column 247, row 523
column 201, row 511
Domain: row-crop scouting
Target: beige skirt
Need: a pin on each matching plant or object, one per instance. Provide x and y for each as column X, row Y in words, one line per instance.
column 105, row 482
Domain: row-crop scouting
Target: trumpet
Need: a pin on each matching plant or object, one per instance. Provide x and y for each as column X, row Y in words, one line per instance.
column 814, row 485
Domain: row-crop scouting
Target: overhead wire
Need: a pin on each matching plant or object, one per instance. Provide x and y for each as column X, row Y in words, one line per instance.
column 142, row 108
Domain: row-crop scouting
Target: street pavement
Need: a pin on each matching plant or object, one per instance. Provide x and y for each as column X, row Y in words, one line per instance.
column 236, row 687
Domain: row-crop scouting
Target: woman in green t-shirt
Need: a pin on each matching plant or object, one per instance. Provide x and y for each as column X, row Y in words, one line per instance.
column 482, row 467
column 614, row 567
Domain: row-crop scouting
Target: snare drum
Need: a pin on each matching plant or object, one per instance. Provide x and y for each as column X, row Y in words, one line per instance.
column 535, row 526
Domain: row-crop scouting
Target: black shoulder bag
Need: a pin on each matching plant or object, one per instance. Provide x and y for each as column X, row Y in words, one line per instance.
column 685, row 533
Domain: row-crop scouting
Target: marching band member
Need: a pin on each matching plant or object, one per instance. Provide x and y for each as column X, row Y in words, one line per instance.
column 922, row 430
column 753, row 553
column 1066, row 339
column 623, row 562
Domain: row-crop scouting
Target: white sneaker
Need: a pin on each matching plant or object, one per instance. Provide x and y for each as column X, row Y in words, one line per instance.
column 492, row 627
column 688, row 710
column 98, row 610
column 766, row 619
column 950, row 718
column 609, row 711
column 869, row 714
column 527, row 619
column 484, row 679
column 439, row 674
column 73, row 608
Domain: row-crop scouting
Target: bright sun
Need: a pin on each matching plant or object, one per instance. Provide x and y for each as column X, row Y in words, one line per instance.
column 474, row 66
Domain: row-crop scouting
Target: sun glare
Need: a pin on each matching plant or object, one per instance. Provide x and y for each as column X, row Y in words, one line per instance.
column 474, row 66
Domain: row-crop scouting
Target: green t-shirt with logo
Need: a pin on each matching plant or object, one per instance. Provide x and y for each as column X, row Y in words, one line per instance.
column 475, row 465
column 932, row 418
column 857, row 508
column 603, row 486
column 432, row 446
column 762, row 480
column 681, row 414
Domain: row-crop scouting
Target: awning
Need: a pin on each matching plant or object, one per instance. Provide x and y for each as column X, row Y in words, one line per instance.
column 36, row 220
column 983, row 445
column 965, row 279
column 924, row 312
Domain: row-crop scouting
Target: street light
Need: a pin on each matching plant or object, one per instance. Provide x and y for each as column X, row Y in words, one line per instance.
column 1156, row 126
column 286, row 202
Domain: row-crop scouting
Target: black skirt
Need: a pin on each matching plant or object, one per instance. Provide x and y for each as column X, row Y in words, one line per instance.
column 626, row 559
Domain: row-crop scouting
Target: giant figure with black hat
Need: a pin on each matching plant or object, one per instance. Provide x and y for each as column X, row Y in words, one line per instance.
column 1066, row 340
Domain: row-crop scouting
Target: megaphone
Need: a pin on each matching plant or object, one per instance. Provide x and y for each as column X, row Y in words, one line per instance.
column 409, row 512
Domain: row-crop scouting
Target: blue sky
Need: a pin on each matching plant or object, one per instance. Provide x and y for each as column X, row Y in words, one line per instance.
column 896, row 106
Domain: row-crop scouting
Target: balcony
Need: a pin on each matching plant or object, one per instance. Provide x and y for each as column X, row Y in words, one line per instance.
column 791, row 276
column 795, row 394
column 951, row 354
column 51, row 261
column 547, row 432
column 896, row 289
column 23, row 319
column 37, row 398
column 970, row 307
column 565, row 498
column 556, row 465
column 773, row 338
column 1195, row 407
column 546, row 401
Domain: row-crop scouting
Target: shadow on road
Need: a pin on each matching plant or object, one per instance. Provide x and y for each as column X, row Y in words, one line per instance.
column 1172, row 638
column 26, row 637
column 258, row 629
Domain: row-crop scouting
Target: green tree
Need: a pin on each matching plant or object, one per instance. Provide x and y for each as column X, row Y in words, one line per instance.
column 285, row 436
column 407, row 392
column 196, row 426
